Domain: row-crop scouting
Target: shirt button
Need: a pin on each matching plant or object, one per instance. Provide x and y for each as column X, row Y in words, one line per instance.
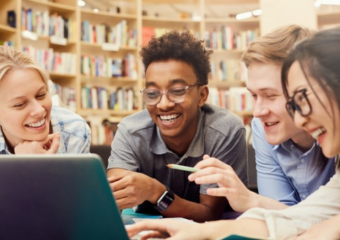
column 303, row 196
column 303, row 160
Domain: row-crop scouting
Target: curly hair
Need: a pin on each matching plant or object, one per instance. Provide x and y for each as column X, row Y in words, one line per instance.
column 181, row 46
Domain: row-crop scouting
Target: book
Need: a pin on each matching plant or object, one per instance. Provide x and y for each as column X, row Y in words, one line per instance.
column 11, row 19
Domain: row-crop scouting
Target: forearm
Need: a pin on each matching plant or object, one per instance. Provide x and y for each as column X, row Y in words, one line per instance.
column 245, row 227
column 197, row 212
column 266, row 203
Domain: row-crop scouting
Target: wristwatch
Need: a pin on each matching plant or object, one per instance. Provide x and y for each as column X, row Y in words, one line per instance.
column 165, row 200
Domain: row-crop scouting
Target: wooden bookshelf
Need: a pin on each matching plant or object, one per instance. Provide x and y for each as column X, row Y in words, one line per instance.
column 66, row 7
column 331, row 19
column 106, row 14
column 6, row 29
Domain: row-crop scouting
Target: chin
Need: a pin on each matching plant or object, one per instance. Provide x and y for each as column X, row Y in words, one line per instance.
column 274, row 140
column 329, row 153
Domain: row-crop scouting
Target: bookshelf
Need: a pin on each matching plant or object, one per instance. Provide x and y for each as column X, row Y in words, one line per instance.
column 86, row 63
column 328, row 16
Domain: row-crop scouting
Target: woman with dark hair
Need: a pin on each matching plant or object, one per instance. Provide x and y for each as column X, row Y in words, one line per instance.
column 311, row 82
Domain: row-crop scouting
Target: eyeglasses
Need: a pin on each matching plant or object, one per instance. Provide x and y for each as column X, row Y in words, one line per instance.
column 175, row 94
column 299, row 101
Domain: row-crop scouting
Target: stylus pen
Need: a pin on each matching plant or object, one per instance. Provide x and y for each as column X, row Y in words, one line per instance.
column 183, row 168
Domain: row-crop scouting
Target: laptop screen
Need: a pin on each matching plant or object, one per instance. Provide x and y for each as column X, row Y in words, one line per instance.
column 57, row 197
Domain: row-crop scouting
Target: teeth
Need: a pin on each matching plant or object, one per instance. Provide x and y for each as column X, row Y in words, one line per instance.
column 169, row 118
column 318, row 132
column 37, row 124
column 270, row 124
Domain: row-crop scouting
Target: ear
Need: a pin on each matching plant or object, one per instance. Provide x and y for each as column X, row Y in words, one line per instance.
column 204, row 93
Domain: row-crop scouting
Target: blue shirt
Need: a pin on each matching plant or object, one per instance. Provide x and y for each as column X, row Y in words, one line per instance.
column 284, row 172
column 75, row 134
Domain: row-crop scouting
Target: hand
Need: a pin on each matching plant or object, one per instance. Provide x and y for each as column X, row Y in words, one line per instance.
column 164, row 228
column 49, row 145
column 131, row 189
column 230, row 186
column 326, row 230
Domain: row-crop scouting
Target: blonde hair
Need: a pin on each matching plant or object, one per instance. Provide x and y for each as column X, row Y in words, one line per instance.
column 12, row 59
column 275, row 46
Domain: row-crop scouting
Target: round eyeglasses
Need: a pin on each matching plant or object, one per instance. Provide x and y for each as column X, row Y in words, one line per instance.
column 299, row 102
column 174, row 94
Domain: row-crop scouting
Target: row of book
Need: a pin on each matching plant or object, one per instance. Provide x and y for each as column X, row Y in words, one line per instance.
column 236, row 99
column 63, row 96
column 102, row 98
column 55, row 62
column 120, row 34
column 228, row 70
column 103, row 66
column 102, row 131
column 44, row 24
column 229, row 39
column 7, row 43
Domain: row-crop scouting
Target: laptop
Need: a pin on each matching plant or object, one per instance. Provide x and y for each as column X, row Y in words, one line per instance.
column 57, row 197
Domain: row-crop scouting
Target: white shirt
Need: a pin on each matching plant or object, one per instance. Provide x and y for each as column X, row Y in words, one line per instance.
column 319, row 206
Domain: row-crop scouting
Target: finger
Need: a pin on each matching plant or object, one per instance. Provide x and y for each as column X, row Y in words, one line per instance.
column 219, row 178
column 124, row 203
column 212, row 162
column 159, row 225
column 207, row 172
column 118, row 185
column 118, row 176
column 120, row 194
column 55, row 144
column 50, row 137
column 218, row 192
column 154, row 234
column 205, row 156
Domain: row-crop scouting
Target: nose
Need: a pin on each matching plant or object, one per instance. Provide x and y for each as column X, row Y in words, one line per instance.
column 259, row 109
column 164, row 102
column 299, row 120
column 36, row 108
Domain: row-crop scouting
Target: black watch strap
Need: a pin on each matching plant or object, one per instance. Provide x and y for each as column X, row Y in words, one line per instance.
column 165, row 200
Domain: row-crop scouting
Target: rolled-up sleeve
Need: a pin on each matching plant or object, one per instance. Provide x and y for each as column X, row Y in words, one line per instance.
column 321, row 205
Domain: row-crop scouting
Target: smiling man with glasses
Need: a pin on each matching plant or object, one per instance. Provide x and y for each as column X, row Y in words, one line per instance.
column 177, row 127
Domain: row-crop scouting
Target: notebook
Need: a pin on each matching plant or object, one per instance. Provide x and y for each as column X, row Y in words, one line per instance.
column 57, row 197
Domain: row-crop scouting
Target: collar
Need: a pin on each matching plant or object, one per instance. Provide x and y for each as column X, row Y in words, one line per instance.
column 2, row 141
column 196, row 148
column 56, row 128
column 289, row 146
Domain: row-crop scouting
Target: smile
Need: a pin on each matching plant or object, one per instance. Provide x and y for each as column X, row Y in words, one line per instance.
column 169, row 118
column 318, row 132
column 37, row 124
column 269, row 124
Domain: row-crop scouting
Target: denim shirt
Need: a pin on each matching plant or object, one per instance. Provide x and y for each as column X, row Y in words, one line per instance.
column 75, row 134
column 284, row 172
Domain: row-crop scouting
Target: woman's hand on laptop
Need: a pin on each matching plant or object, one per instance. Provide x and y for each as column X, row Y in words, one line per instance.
column 213, row 171
column 131, row 188
column 168, row 228
column 50, row 145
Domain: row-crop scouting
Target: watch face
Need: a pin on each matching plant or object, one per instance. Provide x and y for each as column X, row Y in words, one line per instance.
column 165, row 201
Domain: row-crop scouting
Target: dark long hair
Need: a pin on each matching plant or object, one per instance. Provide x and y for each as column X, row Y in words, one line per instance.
column 319, row 58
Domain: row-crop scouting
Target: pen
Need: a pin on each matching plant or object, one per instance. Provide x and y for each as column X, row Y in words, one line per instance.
column 183, row 168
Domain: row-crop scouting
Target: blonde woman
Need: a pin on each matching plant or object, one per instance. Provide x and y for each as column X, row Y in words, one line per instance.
column 28, row 121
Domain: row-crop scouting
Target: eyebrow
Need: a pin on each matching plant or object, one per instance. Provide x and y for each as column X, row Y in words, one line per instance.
column 263, row 89
column 174, row 81
column 20, row 97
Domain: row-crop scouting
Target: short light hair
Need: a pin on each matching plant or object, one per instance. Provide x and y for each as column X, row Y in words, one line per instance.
column 13, row 59
column 275, row 46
